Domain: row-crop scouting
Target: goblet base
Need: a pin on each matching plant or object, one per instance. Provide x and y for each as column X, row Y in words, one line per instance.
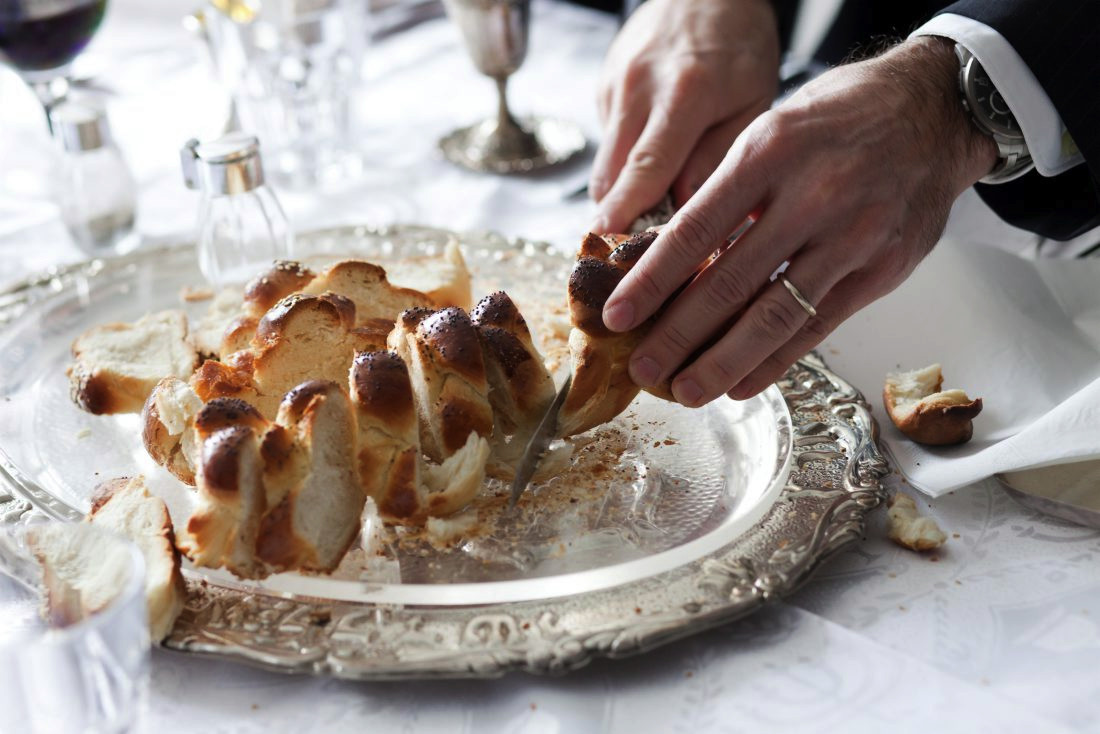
column 539, row 143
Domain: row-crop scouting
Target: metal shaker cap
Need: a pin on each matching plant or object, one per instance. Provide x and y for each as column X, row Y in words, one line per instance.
column 80, row 127
column 229, row 165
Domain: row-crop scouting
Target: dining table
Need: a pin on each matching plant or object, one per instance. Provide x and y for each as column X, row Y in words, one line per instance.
column 997, row 630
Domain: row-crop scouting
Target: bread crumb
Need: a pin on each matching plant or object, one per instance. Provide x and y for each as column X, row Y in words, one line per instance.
column 191, row 294
column 909, row 529
column 84, row 433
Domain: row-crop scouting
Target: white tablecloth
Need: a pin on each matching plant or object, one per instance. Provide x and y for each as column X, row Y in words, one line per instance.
column 998, row 632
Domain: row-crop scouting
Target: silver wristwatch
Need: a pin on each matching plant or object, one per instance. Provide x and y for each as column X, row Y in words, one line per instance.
column 991, row 114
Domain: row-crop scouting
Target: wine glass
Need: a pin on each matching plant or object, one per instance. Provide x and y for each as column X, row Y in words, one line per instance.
column 40, row 39
column 495, row 34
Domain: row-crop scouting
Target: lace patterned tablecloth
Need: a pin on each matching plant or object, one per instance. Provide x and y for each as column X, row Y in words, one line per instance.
column 1000, row 631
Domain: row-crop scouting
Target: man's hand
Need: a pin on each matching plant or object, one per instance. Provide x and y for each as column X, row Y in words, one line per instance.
column 850, row 180
column 682, row 79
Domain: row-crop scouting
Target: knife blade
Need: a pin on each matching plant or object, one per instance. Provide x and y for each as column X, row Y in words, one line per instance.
column 537, row 445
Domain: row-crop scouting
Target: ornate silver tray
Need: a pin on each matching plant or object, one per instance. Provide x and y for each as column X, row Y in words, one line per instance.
column 680, row 520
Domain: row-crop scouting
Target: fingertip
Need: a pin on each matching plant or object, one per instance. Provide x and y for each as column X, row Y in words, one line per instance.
column 644, row 371
column 618, row 315
column 687, row 392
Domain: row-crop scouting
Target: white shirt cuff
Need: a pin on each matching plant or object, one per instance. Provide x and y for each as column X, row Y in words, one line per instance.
column 1050, row 144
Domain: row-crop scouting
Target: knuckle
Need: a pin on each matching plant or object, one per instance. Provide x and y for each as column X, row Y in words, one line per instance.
column 693, row 231
column 727, row 288
column 774, row 317
column 648, row 162
column 673, row 339
column 690, row 80
column 816, row 330
column 725, row 372
column 635, row 74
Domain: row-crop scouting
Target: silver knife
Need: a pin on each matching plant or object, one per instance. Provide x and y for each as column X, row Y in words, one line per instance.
column 540, row 441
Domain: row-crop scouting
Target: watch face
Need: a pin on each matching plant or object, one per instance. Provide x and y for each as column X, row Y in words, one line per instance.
column 988, row 103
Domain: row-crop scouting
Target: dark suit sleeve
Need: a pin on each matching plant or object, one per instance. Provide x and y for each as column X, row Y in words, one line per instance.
column 1058, row 40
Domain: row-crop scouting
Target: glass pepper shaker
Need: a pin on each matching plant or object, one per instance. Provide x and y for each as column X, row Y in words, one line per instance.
column 242, row 228
column 95, row 188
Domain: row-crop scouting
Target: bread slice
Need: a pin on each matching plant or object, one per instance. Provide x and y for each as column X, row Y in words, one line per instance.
column 600, row 358
column 367, row 287
column 443, row 278
column 315, row 520
column 207, row 332
column 443, row 354
column 917, row 406
column 124, row 506
column 388, row 441
column 80, row 573
column 167, row 423
column 117, row 365
column 231, row 492
column 520, row 386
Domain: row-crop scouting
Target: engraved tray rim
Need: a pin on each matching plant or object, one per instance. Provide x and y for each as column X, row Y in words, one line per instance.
column 834, row 481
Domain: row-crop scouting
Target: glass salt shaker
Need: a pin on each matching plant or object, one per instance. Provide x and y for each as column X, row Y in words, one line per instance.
column 241, row 226
column 95, row 188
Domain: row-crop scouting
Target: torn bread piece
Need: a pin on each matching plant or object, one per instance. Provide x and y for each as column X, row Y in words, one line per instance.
column 917, row 406
column 602, row 388
column 388, row 445
column 167, row 421
column 312, row 521
column 909, row 529
column 447, row 370
column 124, row 506
column 453, row 484
column 444, row 532
column 117, row 365
column 443, row 278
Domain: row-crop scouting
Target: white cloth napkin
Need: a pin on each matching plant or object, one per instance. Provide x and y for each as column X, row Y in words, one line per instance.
column 1022, row 335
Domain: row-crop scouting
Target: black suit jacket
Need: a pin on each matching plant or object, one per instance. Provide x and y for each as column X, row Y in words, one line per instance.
column 1057, row 39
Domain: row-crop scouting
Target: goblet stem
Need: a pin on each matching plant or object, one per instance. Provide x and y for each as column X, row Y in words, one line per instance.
column 50, row 92
column 505, row 120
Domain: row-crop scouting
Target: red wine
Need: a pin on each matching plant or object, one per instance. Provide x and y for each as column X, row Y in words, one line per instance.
column 38, row 36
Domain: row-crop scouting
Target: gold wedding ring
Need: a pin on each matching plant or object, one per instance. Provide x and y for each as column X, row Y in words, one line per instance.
column 802, row 300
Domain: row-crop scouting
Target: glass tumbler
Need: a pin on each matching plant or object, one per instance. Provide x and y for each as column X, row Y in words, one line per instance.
column 90, row 675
